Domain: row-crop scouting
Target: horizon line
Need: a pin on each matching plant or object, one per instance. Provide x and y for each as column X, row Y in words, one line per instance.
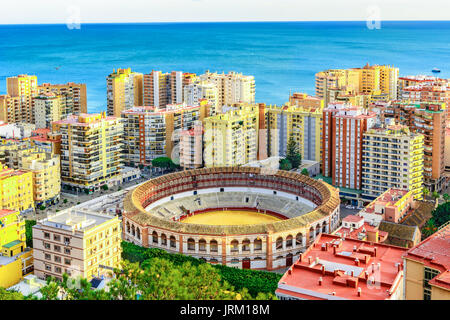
column 224, row 21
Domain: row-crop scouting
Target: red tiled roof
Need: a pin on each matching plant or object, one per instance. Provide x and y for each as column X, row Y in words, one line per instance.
column 334, row 261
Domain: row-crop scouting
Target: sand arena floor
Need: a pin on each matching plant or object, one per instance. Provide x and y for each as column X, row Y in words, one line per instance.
column 230, row 217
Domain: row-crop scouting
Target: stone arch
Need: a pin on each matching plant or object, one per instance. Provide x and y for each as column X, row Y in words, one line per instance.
column 191, row 244
column 173, row 242
column 289, row 241
column 163, row 239
column 234, row 245
column 246, row 245
column 155, row 237
column 202, row 245
column 213, row 246
column 299, row 239
column 279, row 243
column 257, row 244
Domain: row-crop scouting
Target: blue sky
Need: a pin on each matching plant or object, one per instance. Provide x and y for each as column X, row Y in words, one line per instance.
column 85, row 11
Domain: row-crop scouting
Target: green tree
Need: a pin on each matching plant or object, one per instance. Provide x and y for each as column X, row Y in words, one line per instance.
column 429, row 228
column 29, row 232
column 10, row 295
column 305, row 172
column 163, row 162
column 425, row 192
column 441, row 214
column 285, row 164
column 435, row 195
column 105, row 187
column 446, row 197
column 293, row 153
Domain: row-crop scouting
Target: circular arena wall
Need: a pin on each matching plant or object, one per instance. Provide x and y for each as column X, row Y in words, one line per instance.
column 267, row 246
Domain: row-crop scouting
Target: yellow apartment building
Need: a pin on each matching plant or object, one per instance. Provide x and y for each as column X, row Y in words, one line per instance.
column 302, row 122
column 231, row 138
column 124, row 90
column 16, row 187
column 15, row 260
column 81, row 244
column 74, row 95
column 392, row 157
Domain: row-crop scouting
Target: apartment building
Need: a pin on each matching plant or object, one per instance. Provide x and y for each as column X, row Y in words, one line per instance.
column 79, row 243
column 197, row 91
column 151, row 132
column 47, row 108
column 392, row 157
column 301, row 122
column 233, row 87
column 342, row 143
column 15, row 260
column 74, row 95
column 16, row 187
column 124, row 90
column 427, row 268
column 191, row 147
column 358, row 86
column 161, row 89
column 231, row 138
column 44, row 166
column 17, row 105
column 393, row 205
column 91, row 150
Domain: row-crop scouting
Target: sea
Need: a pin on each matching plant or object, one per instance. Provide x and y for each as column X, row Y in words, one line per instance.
column 283, row 56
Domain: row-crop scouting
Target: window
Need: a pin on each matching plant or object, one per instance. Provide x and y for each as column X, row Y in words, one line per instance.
column 47, row 256
column 48, row 267
column 56, row 237
column 58, row 269
column 428, row 275
column 66, row 240
column 57, row 259
column 46, row 235
column 67, row 261
column 46, row 245
column 66, row 250
column 57, row 248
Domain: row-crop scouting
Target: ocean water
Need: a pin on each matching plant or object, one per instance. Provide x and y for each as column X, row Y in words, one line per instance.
column 283, row 56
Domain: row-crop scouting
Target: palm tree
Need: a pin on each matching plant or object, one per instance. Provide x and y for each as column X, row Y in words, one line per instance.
column 435, row 195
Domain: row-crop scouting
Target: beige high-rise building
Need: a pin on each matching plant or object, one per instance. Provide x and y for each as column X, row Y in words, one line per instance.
column 80, row 244
column 124, row 90
column 202, row 90
column 73, row 93
column 232, row 87
column 91, row 150
column 161, row 89
column 17, row 105
column 47, row 108
column 358, row 86
column 231, row 138
column 151, row 132
column 191, row 147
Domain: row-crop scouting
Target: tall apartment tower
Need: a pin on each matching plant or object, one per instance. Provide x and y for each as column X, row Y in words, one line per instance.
column 91, row 150
column 302, row 123
column 233, row 87
column 429, row 119
column 202, row 90
column 343, row 129
column 124, row 90
column 155, row 132
column 161, row 89
column 47, row 108
column 392, row 158
column 358, row 85
column 74, row 93
column 17, row 104
column 231, row 138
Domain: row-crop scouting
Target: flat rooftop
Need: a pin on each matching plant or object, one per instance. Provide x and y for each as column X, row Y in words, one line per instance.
column 75, row 220
column 343, row 266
